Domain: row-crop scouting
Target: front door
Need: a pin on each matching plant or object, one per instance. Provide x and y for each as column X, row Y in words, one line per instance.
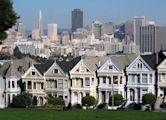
column 103, row 97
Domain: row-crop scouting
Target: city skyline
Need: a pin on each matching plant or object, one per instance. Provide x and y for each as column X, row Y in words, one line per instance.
column 109, row 10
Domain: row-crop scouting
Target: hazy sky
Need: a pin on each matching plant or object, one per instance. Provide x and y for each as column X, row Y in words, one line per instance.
column 59, row 11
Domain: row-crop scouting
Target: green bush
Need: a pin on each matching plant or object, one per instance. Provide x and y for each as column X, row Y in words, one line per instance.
column 118, row 99
column 88, row 101
column 22, row 100
column 55, row 101
column 148, row 98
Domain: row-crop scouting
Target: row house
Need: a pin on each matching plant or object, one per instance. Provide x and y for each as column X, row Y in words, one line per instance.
column 129, row 75
column 112, row 77
column 49, row 79
column 84, row 79
column 10, row 79
column 140, row 79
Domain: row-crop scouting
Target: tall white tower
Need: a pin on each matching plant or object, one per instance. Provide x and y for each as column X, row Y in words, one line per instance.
column 52, row 32
column 40, row 27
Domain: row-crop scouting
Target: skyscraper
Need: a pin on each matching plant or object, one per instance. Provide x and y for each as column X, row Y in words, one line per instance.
column 77, row 19
column 138, row 22
column 97, row 29
column 52, row 32
column 148, row 38
column 40, row 27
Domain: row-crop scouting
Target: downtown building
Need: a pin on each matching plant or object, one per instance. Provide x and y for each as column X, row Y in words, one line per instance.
column 77, row 19
column 149, row 36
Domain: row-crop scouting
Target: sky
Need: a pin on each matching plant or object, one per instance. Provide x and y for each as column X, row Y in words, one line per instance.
column 117, row 11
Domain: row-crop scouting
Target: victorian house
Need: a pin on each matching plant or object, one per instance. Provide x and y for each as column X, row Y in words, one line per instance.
column 10, row 79
column 112, row 78
column 49, row 79
column 84, row 81
column 140, row 78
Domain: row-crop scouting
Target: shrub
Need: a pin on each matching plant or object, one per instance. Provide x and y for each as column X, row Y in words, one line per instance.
column 88, row 101
column 22, row 100
column 55, row 101
column 118, row 99
column 149, row 98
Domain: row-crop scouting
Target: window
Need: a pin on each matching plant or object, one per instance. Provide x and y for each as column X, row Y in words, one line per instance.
column 42, row 85
column 120, row 79
column 13, row 85
column 33, row 73
column 144, row 78
column 163, row 75
column 9, row 98
column 104, row 80
column 144, row 91
column 8, row 84
column 29, row 85
column 115, row 79
column 55, row 83
column 87, row 81
column 109, row 80
column 34, row 85
column 60, row 84
column 55, row 71
column 133, row 78
column 66, row 84
column 110, row 67
column 87, row 94
column 87, row 70
column 92, row 81
column 139, row 65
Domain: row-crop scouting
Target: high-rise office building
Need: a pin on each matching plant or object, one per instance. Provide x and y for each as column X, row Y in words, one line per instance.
column 52, row 32
column 148, row 38
column 152, row 38
column 35, row 34
column 107, row 28
column 40, row 26
column 77, row 19
column 21, row 29
column 138, row 22
column 97, row 29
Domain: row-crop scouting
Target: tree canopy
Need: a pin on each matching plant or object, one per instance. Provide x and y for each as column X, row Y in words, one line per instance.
column 8, row 17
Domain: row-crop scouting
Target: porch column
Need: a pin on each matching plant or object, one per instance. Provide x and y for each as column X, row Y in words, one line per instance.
column 100, row 97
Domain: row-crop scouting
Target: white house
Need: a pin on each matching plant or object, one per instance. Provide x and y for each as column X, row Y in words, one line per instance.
column 112, row 78
column 140, row 78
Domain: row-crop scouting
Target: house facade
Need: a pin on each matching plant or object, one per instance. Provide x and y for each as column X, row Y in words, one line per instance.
column 112, row 78
column 84, row 80
column 140, row 80
column 34, row 84
column 57, row 82
column 161, row 86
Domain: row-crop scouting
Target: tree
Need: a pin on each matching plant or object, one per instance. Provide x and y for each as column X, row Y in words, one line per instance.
column 149, row 98
column 55, row 101
column 17, row 53
column 22, row 100
column 118, row 99
column 8, row 17
column 88, row 101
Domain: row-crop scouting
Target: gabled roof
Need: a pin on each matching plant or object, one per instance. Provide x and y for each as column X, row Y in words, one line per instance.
column 16, row 67
column 66, row 66
column 153, row 59
column 94, row 63
column 121, row 61
column 42, row 68
column 12, row 71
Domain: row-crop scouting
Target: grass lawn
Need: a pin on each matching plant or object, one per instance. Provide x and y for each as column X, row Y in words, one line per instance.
column 43, row 114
